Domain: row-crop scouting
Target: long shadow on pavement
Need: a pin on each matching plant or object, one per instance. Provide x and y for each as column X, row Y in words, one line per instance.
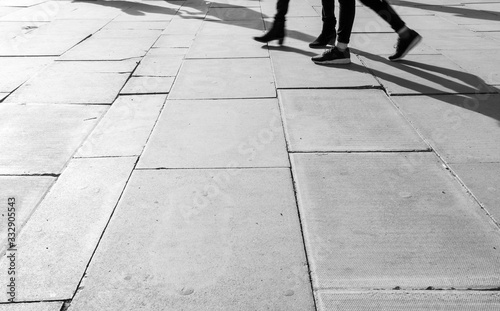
column 457, row 10
column 140, row 9
column 473, row 101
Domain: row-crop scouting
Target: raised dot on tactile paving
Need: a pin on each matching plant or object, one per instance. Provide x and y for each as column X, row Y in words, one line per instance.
column 186, row 291
column 289, row 292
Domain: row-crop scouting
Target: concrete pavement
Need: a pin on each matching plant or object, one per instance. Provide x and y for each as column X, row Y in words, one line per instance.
column 154, row 157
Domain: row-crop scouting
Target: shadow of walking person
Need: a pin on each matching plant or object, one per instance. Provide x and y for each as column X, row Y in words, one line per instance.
column 211, row 12
column 410, row 77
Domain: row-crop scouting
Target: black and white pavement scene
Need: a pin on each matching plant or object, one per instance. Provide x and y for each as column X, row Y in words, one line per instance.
column 153, row 156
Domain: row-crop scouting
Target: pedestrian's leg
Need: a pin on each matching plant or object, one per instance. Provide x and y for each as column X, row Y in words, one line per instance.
column 281, row 10
column 384, row 10
column 340, row 54
column 277, row 31
column 408, row 38
column 327, row 35
column 347, row 10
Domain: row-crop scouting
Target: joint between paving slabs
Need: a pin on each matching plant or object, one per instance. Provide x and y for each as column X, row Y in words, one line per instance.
column 361, row 87
column 363, row 151
column 79, row 285
column 210, row 168
column 495, row 222
column 440, row 94
column 32, row 175
column 295, row 194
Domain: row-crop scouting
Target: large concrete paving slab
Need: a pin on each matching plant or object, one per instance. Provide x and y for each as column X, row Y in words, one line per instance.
column 408, row 300
column 234, row 13
column 37, row 306
column 481, row 65
column 370, row 24
column 462, row 15
column 40, row 45
column 298, row 8
column 42, row 11
column 148, row 85
column 132, row 34
column 489, row 25
column 387, row 220
column 383, row 44
column 75, row 26
column 150, row 11
column 45, row 136
column 224, row 78
column 461, row 128
column 125, row 128
column 59, row 85
column 431, row 22
column 4, row 10
column 110, row 49
column 293, row 68
column 234, row 3
column 120, row 66
column 159, row 64
column 214, row 239
column 447, row 40
column 55, row 246
column 229, row 46
column 193, row 9
column 217, row 134
column 345, row 120
column 180, row 26
column 92, row 10
column 483, row 180
column 12, row 30
column 423, row 74
column 248, row 28
column 174, row 41
column 162, row 25
column 27, row 192
column 16, row 70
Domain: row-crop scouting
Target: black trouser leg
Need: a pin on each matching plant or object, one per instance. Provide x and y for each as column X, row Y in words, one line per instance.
column 328, row 12
column 282, row 9
column 347, row 10
column 384, row 10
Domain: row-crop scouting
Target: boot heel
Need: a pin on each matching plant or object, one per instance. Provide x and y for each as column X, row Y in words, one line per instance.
column 281, row 40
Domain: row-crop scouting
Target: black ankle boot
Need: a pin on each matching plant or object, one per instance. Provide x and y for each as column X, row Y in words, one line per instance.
column 277, row 32
column 327, row 36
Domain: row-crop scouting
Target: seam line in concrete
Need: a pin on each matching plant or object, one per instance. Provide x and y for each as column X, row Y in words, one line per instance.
column 107, row 156
column 32, row 301
column 441, row 94
column 362, row 87
column 492, row 288
column 209, row 168
column 223, row 98
column 33, row 175
column 365, row 151
column 139, row 94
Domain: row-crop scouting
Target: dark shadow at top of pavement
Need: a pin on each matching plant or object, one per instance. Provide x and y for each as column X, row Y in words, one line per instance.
column 140, row 9
column 457, row 10
column 131, row 8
